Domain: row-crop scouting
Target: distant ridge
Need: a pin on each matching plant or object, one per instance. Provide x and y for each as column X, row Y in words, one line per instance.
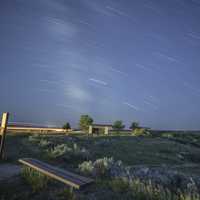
column 175, row 130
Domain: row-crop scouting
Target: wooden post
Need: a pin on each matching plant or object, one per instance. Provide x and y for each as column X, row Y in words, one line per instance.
column 4, row 123
column 106, row 130
column 90, row 129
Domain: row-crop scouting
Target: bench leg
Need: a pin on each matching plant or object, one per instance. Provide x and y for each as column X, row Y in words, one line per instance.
column 71, row 189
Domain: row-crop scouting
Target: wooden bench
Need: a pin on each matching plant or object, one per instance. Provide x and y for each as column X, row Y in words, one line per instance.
column 64, row 176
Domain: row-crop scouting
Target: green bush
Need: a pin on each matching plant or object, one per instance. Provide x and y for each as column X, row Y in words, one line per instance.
column 86, row 167
column 58, row 151
column 102, row 166
column 37, row 180
column 98, row 168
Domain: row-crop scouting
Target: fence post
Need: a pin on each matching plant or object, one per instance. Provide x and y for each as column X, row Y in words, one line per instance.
column 4, row 123
column 90, row 129
column 106, row 131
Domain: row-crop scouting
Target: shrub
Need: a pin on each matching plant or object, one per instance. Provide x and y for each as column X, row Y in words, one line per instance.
column 63, row 150
column 37, row 180
column 34, row 138
column 140, row 190
column 44, row 143
column 86, row 167
column 100, row 167
column 58, row 151
column 119, row 185
column 37, row 139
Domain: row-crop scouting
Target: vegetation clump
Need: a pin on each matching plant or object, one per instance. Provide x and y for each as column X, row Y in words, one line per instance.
column 100, row 167
column 117, row 171
column 41, row 140
column 44, row 143
column 64, row 150
column 137, row 189
column 164, row 166
column 37, row 180
column 58, row 151
column 34, row 138
column 86, row 167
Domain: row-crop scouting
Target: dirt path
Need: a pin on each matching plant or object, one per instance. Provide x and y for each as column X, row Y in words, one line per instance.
column 8, row 170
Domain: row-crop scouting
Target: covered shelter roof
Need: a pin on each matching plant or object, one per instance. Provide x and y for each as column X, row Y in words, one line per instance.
column 102, row 125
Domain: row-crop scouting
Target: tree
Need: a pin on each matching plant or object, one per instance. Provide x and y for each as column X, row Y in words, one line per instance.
column 118, row 125
column 85, row 122
column 67, row 126
column 134, row 125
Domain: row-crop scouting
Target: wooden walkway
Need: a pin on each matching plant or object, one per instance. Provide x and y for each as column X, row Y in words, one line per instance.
column 58, row 174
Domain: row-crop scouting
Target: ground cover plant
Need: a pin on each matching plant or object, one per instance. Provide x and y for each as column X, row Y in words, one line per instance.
column 158, row 166
column 36, row 179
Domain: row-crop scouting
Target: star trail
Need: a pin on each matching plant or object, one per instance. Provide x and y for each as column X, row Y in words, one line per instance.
column 112, row 59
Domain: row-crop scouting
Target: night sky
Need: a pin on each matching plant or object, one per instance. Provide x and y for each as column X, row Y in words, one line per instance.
column 134, row 60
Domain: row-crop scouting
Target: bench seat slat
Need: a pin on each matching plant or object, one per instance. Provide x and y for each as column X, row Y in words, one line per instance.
column 64, row 176
column 62, row 171
column 58, row 172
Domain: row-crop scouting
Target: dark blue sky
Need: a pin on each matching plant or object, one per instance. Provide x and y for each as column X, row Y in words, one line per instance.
column 135, row 60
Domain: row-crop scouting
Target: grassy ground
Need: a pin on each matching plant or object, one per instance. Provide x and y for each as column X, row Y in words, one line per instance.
column 178, row 152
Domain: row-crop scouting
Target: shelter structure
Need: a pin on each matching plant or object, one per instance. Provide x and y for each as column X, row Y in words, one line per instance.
column 100, row 128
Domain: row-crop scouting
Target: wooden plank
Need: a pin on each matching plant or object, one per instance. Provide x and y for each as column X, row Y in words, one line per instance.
column 61, row 175
column 61, row 172
column 48, row 171
column 4, row 123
